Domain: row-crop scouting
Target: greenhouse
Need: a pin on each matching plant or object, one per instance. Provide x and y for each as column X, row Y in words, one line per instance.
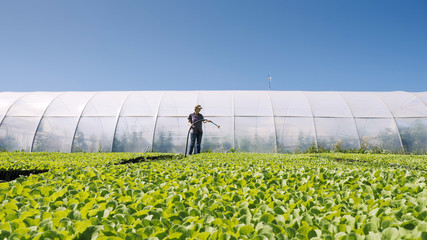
column 251, row 121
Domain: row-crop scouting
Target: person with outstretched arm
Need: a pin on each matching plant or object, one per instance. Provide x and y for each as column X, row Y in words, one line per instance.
column 196, row 131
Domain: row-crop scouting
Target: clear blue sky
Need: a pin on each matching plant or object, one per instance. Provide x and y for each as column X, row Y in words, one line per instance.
column 318, row 45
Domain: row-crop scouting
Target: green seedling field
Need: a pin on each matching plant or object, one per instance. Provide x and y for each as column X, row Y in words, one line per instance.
column 215, row 196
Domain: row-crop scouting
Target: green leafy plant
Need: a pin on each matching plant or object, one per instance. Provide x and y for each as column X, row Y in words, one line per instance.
column 220, row 196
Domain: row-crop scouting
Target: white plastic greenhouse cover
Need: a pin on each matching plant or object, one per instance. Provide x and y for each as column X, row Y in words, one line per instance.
column 251, row 121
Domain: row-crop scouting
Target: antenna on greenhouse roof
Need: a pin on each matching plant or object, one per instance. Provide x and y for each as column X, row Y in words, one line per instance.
column 269, row 82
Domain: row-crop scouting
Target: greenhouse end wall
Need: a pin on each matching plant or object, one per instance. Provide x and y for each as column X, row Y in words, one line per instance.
column 251, row 121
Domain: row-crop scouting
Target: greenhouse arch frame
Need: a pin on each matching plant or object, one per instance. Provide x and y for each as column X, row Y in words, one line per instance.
column 251, row 121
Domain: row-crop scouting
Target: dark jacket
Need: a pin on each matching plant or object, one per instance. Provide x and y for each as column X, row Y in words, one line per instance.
column 192, row 118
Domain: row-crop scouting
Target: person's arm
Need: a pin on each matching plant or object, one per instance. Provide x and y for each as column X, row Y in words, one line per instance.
column 189, row 120
column 205, row 120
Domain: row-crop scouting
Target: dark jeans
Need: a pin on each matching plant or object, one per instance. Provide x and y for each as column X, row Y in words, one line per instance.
column 193, row 138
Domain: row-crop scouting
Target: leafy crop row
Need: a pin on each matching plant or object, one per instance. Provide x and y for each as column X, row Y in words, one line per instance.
column 218, row 196
column 418, row 162
column 45, row 160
